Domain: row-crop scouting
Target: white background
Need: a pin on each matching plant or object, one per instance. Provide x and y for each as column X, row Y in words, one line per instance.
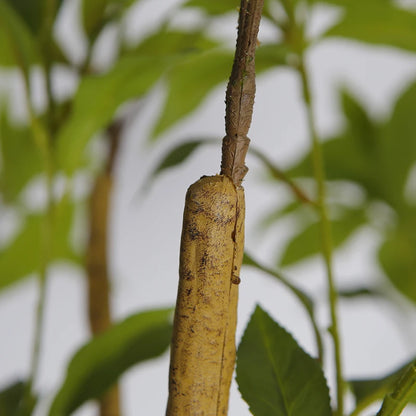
column 145, row 227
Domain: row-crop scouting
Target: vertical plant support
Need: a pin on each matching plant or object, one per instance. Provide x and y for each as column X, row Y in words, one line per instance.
column 212, row 244
column 99, row 311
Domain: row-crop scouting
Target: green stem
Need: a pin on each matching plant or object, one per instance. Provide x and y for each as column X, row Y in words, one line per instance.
column 319, row 173
column 396, row 401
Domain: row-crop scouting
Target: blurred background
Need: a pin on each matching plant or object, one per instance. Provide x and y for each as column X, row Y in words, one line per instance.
column 130, row 81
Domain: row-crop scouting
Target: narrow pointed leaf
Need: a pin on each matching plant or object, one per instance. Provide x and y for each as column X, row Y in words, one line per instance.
column 177, row 155
column 275, row 376
column 98, row 97
column 96, row 101
column 98, row 364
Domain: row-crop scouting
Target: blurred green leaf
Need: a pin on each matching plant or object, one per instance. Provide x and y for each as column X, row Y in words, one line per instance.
column 11, row 400
column 365, row 153
column 177, row 155
column 27, row 245
column 367, row 391
column 275, row 376
column 98, row 364
column 377, row 22
column 214, row 7
column 18, row 46
column 21, row 160
column 96, row 101
column 307, row 242
column 99, row 96
column 189, row 82
column 397, row 256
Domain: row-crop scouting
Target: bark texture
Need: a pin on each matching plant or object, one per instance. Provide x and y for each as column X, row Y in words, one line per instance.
column 240, row 93
column 203, row 344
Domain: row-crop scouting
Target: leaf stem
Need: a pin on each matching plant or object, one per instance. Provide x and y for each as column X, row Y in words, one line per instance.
column 396, row 401
column 319, row 173
column 303, row 298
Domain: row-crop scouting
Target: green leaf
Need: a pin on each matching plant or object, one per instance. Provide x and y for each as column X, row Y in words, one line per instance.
column 307, row 243
column 189, row 83
column 214, row 7
column 398, row 260
column 178, row 155
column 98, row 365
column 363, row 154
column 377, row 22
column 96, row 101
column 11, row 400
column 18, row 46
column 27, row 245
column 21, row 160
column 98, row 97
column 275, row 376
column 367, row 391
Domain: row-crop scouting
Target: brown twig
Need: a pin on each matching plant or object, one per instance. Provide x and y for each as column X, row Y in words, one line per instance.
column 240, row 93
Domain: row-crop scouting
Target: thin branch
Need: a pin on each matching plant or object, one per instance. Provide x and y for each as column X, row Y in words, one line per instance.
column 279, row 174
column 240, row 93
